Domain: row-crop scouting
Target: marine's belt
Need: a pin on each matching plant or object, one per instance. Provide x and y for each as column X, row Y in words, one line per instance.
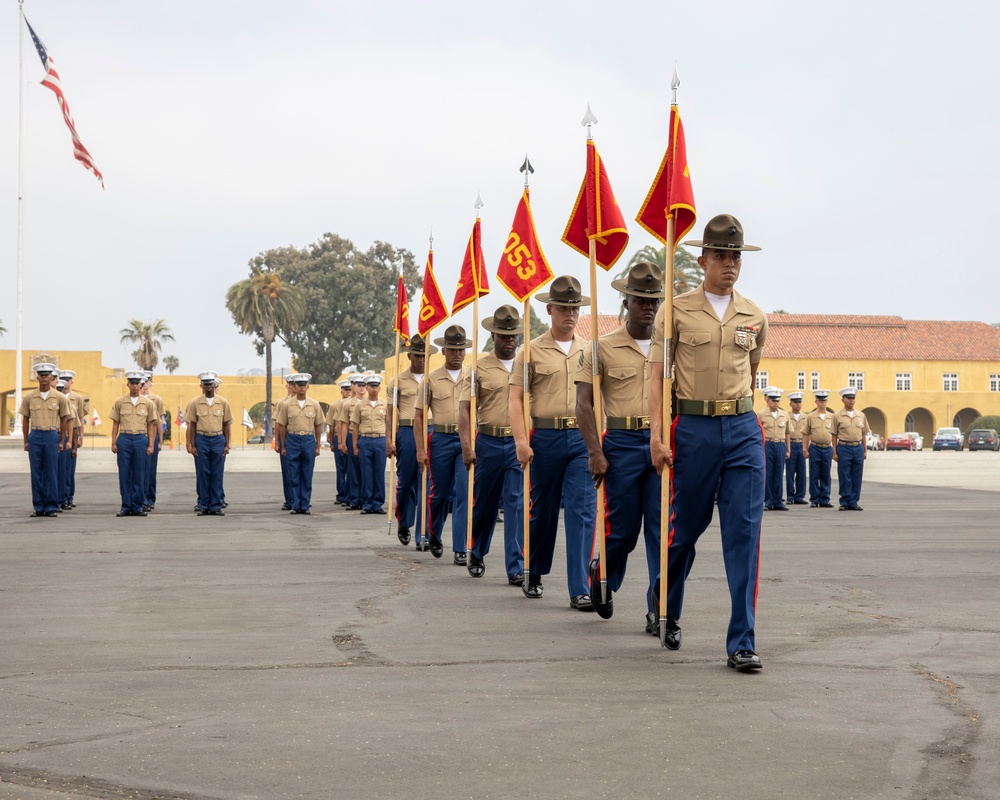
column 553, row 423
column 372, row 435
column 450, row 427
column 404, row 423
column 495, row 430
column 715, row 408
column 628, row 423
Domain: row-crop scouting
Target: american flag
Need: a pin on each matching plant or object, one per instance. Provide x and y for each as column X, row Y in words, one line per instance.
column 51, row 81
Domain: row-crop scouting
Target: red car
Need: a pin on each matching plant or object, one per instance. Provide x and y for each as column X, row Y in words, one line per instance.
column 904, row 441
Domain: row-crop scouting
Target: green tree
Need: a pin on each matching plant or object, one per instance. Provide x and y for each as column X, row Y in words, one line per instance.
column 3, row 330
column 537, row 329
column 150, row 337
column 350, row 302
column 171, row 363
column 264, row 305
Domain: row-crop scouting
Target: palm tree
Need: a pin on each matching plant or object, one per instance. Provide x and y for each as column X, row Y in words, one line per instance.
column 3, row 330
column 150, row 337
column 687, row 274
column 262, row 305
column 171, row 363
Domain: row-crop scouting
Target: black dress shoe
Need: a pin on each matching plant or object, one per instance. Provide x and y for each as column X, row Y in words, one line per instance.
column 286, row 507
column 856, row 508
column 769, row 508
column 604, row 610
column 826, row 505
column 843, row 508
column 65, row 507
column 798, row 502
column 217, row 513
column 199, row 508
column 780, row 508
column 50, row 514
column 435, row 546
column 517, row 579
column 744, row 661
column 225, row 504
column 581, row 602
column 814, row 505
column 139, row 514
column 533, row 588
column 477, row 567
column 651, row 627
column 403, row 534
column 461, row 559
column 203, row 512
column 124, row 514
column 672, row 637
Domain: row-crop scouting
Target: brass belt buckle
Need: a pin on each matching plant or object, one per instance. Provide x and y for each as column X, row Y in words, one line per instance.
column 569, row 422
column 722, row 409
column 504, row 431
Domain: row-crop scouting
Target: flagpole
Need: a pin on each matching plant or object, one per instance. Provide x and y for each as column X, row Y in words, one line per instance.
column 527, row 169
column 472, row 389
column 425, row 468
column 668, row 368
column 395, row 427
column 19, row 346
column 589, row 121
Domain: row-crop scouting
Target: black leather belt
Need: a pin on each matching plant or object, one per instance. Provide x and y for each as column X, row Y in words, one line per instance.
column 715, row 408
column 821, row 446
column 449, row 428
column 495, row 430
column 554, row 423
column 628, row 423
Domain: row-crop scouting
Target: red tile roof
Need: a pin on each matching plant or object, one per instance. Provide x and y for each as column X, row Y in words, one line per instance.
column 860, row 337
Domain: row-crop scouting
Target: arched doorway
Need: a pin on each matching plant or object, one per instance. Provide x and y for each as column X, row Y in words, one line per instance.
column 963, row 419
column 876, row 421
column 921, row 421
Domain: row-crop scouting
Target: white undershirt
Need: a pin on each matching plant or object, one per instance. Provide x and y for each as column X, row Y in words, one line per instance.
column 720, row 302
column 45, row 395
column 565, row 346
column 850, row 414
column 302, row 403
column 796, row 416
column 135, row 400
column 508, row 364
column 823, row 415
column 418, row 378
column 774, row 414
column 643, row 345
column 210, row 401
column 373, row 403
column 454, row 373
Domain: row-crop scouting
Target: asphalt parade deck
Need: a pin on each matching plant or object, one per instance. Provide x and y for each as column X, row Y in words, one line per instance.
column 263, row 655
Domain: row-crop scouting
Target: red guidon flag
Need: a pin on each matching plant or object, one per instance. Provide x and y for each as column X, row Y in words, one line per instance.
column 402, row 323
column 433, row 311
column 671, row 194
column 596, row 215
column 472, row 282
column 523, row 268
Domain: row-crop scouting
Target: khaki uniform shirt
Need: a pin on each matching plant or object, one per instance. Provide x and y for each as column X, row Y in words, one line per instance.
column 796, row 426
column 208, row 418
column 299, row 420
column 369, row 419
column 551, row 376
column 346, row 409
column 847, row 429
column 46, row 414
column 132, row 418
column 333, row 412
column 409, row 388
column 76, row 406
column 492, row 392
column 443, row 395
column 712, row 359
column 817, row 428
column 624, row 373
column 775, row 428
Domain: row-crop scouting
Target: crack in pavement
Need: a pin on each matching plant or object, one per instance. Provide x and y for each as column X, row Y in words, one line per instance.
column 949, row 761
column 88, row 786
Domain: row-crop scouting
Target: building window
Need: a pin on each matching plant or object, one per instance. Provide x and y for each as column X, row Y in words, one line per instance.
column 814, row 381
column 995, row 383
column 856, row 380
column 762, row 380
column 800, row 383
column 904, row 381
column 950, row 383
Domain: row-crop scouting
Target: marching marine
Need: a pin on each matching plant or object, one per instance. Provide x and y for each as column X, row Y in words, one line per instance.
column 298, row 424
column 209, row 420
column 133, row 431
column 849, row 429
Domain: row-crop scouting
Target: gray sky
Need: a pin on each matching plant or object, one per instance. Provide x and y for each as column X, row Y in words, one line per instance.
column 857, row 143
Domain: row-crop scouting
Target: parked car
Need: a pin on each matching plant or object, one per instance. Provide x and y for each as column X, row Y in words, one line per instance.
column 874, row 442
column 258, row 439
column 984, row 439
column 905, row 441
column 948, row 439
